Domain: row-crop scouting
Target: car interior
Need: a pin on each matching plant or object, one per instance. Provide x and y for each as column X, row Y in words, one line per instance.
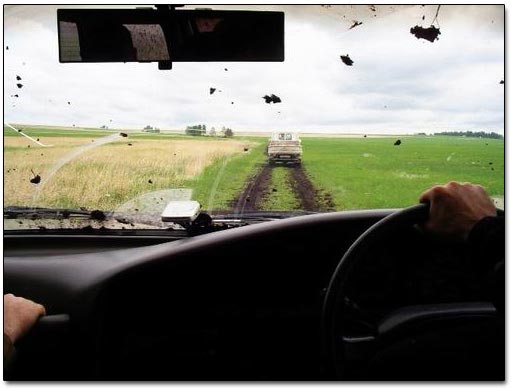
column 348, row 295
column 249, row 304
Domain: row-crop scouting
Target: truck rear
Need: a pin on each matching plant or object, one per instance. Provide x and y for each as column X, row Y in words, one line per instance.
column 284, row 147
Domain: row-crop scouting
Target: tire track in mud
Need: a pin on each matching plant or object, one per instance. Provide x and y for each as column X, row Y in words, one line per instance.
column 258, row 189
column 310, row 198
column 255, row 191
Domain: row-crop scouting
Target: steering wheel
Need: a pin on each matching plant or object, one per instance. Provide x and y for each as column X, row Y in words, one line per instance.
column 337, row 346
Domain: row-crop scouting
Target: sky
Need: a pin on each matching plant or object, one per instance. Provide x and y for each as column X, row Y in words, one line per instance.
column 397, row 84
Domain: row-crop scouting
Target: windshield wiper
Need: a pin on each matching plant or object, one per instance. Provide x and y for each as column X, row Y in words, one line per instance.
column 256, row 216
column 34, row 213
column 53, row 218
column 13, row 212
column 203, row 224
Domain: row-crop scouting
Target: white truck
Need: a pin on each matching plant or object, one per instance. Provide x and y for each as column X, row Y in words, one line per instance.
column 284, row 147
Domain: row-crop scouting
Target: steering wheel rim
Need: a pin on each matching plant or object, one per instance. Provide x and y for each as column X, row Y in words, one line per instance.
column 334, row 293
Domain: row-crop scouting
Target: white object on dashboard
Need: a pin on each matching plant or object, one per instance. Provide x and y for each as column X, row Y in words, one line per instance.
column 181, row 211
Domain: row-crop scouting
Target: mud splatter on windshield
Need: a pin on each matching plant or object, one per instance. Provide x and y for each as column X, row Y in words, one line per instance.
column 356, row 23
column 272, row 99
column 430, row 34
column 36, row 179
column 347, row 60
column 98, row 215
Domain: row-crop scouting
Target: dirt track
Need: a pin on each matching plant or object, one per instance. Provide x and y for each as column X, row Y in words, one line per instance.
column 258, row 189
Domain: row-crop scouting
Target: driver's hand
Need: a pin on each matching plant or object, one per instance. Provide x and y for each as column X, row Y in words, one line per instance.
column 455, row 208
column 20, row 315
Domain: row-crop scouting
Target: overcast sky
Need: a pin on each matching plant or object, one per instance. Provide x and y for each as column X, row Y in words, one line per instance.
column 398, row 84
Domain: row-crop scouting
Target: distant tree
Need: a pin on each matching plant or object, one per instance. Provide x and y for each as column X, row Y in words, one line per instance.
column 151, row 129
column 104, row 127
column 228, row 133
column 212, row 132
column 196, row 130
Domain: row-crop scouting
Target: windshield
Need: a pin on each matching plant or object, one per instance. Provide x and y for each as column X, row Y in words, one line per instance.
column 371, row 106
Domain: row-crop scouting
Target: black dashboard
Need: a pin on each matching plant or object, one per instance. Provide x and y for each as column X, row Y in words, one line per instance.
column 241, row 304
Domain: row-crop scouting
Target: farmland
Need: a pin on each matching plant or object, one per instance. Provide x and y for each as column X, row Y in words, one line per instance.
column 77, row 173
column 99, row 169
column 372, row 173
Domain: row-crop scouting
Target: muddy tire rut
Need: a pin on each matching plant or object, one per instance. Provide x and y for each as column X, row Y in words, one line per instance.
column 258, row 189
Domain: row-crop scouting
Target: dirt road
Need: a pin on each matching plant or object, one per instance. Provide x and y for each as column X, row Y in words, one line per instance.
column 258, row 189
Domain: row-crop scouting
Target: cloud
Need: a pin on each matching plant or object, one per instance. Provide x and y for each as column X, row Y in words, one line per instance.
column 397, row 83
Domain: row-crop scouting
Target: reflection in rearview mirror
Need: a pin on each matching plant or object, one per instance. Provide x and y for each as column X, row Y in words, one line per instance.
column 146, row 35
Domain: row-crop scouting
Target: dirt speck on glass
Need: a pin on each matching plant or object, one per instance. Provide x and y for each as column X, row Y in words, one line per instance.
column 98, row 215
column 347, row 60
column 272, row 99
column 430, row 33
column 356, row 23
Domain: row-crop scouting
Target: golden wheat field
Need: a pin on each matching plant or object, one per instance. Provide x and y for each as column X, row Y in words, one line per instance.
column 103, row 173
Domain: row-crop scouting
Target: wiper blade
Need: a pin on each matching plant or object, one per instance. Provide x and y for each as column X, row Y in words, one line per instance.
column 78, row 219
column 13, row 212
column 260, row 216
column 83, row 215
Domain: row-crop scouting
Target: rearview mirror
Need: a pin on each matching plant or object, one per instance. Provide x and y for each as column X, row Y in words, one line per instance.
column 150, row 35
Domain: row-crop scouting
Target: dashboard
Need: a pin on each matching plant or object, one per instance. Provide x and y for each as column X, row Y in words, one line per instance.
column 240, row 304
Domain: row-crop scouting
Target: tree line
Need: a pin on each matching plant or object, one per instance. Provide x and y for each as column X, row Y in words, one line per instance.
column 201, row 130
column 472, row 134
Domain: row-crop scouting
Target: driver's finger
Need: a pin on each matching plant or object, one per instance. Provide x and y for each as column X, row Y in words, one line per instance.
column 40, row 309
column 426, row 196
column 434, row 193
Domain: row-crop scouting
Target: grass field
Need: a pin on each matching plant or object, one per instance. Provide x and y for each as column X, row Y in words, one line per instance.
column 372, row 173
column 220, row 183
column 98, row 169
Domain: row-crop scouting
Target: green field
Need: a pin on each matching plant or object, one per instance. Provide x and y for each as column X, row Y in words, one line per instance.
column 372, row 173
column 220, row 183
column 357, row 173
